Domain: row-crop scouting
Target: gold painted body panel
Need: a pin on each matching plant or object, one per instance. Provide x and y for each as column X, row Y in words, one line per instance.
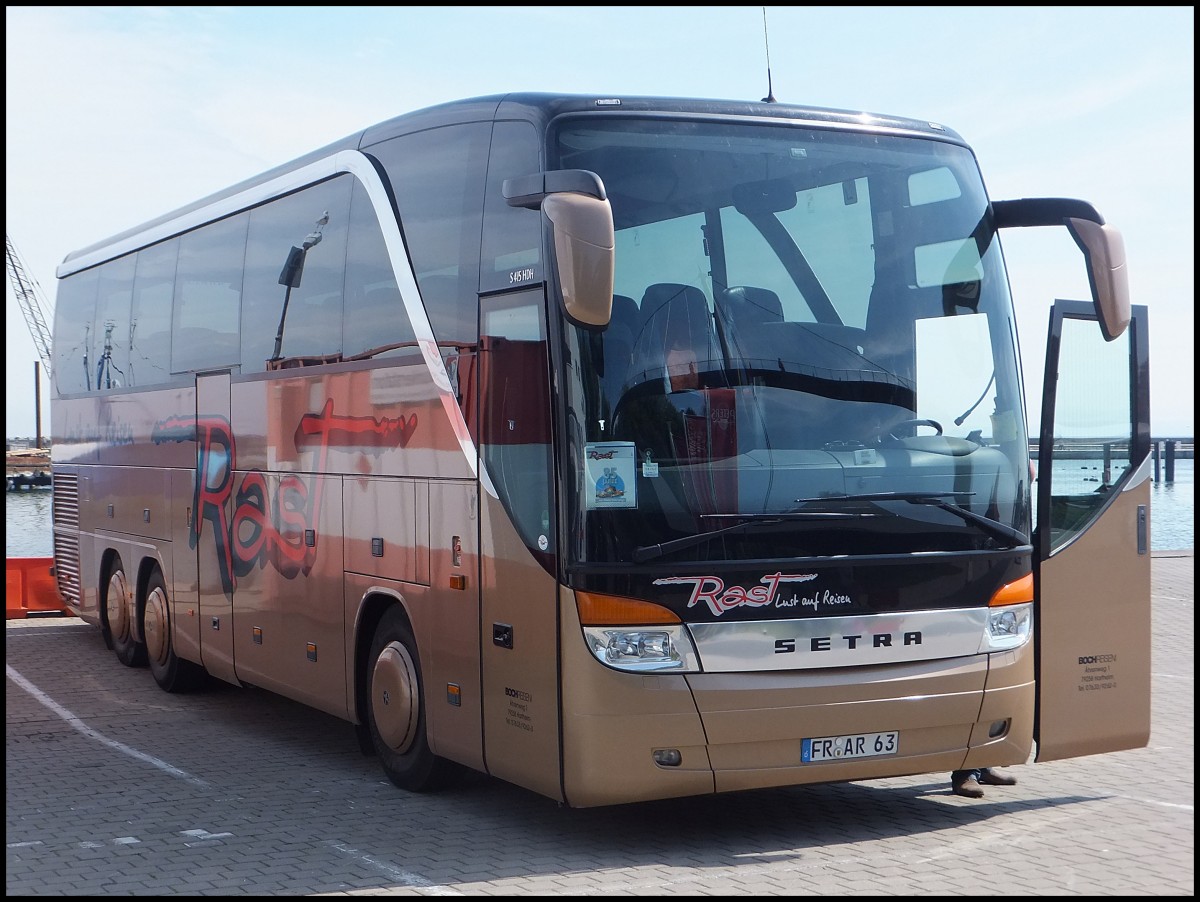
column 520, row 684
column 135, row 501
column 451, row 640
column 108, row 443
column 183, row 581
column 613, row 721
column 380, row 419
column 1094, row 637
column 395, row 514
column 295, row 603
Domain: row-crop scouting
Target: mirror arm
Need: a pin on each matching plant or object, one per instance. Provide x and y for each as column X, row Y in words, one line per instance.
column 1042, row 211
column 1102, row 246
column 530, row 190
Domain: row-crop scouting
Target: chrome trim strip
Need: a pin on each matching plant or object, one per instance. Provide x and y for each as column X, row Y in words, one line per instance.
column 854, row 123
column 1141, row 474
column 839, row 641
column 235, row 203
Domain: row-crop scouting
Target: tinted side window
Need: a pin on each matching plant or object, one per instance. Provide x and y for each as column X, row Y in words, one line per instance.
column 150, row 314
column 515, row 438
column 112, row 323
column 438, row 177
column 376, row 322
column 512, row 236
column 208, row 292
column 74, row 322
column 298, row 239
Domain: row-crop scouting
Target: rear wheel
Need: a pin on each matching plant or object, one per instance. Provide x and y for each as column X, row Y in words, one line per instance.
column 395, row 710
column 118, row 617
column 171, row 672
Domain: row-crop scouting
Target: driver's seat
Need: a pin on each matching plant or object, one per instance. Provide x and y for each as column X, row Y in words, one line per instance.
column 677, row 326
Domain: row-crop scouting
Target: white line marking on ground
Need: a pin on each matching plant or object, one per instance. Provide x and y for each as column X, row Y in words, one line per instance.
column 1159, row 804
column 407, row 878
column 203, row 834
column 87, row 731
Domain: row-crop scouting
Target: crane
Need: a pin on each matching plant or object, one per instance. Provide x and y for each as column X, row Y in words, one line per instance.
column 33, row 303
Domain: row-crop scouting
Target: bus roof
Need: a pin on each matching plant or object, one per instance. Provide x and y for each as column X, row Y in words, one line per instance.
column 540, row 107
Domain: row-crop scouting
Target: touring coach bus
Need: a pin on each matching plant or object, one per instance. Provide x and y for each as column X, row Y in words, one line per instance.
column 622, row 448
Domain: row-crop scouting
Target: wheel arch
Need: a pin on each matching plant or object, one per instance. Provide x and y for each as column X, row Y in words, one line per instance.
column 104, row 573
column 371, row 609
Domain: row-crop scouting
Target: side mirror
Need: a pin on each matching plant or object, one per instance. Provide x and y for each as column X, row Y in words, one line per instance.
column 1104, row 249
column 293, row 268
column 1102, row 246
column 584, row 244
column 584, row 250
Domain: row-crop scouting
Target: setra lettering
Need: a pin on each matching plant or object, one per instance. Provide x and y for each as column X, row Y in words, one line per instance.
column 855, row 643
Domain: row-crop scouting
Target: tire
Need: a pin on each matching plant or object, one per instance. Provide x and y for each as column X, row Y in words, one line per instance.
column 172, row 673
column 119, row 609
column 395, row 709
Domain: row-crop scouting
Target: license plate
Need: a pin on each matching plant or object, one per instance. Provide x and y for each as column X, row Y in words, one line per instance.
column 857, row 745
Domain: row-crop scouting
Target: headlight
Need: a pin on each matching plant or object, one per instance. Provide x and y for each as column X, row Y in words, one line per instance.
column 1007, row 627
column 640, row 650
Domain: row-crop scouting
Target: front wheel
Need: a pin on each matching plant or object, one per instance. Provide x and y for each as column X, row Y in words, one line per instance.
column 172, row 673
column 118, row 618
column 395, row 709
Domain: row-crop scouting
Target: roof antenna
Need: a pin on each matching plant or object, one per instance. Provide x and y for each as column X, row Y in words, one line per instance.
column 770, row 98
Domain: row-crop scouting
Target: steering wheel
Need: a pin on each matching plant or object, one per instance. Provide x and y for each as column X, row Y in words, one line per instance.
column 905, row 424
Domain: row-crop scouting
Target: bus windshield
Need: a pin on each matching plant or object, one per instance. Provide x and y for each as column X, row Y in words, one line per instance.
column 811, row 350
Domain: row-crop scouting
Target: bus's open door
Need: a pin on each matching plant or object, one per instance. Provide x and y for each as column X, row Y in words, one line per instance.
column 1092, row 538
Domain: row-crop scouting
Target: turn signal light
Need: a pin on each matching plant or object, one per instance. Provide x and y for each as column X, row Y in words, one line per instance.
column 1017, row 592
column 613, row 610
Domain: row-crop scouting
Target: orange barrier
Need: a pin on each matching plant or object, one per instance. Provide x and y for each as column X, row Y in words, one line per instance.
column 31, row 588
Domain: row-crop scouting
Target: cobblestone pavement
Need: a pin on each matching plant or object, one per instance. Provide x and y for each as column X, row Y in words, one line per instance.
column 114, row 787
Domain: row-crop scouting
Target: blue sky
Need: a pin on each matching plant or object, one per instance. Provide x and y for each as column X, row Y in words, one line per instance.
column 117, row 114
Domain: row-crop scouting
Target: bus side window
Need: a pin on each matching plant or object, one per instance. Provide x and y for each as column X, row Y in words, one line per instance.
column 112, row 323
column 437, row 176
column 512, row 236
column 376, row 322
column 516, row 411
column 303, row 320
column 208, row 294
column 150, row 314
column 75, row 313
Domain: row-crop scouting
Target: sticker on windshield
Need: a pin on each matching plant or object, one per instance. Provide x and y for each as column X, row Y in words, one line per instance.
column 610, row 470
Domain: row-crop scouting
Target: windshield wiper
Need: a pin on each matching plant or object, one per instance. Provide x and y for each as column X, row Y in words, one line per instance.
column 999, row 531
column 750, row 522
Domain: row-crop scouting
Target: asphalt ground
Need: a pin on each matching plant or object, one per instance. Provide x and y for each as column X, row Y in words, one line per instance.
column 114, row 787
